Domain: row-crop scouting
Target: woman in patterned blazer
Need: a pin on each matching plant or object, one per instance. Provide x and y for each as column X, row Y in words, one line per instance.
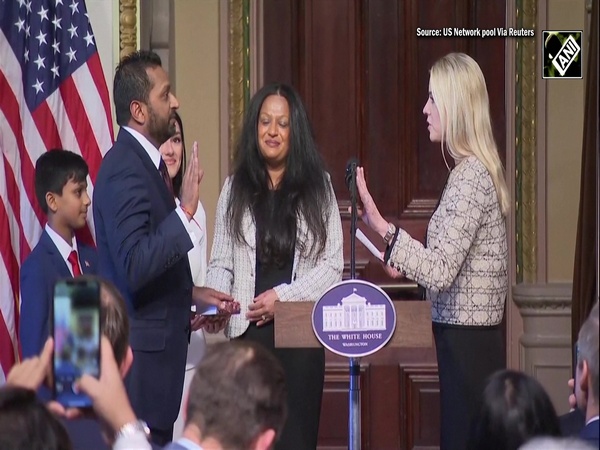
column 278, row 237
column 463, row 265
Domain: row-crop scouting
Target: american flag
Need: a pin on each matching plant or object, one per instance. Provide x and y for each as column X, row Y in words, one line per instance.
column 52, row 95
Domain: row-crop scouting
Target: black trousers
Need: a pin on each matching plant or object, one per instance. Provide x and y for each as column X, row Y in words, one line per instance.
column 466, row 356
column 304, row 373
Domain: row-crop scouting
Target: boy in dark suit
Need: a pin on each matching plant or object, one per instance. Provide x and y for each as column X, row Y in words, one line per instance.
column 61, row 190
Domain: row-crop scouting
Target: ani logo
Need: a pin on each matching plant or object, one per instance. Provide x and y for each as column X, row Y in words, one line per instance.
column 562, row 54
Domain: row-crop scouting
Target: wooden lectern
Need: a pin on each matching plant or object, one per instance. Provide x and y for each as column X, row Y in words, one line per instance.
column 399, row 383
column 293, row 327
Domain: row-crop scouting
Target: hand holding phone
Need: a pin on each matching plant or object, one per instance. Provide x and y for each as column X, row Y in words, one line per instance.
column 76, row 333
column 31, row 372
column 107, row 393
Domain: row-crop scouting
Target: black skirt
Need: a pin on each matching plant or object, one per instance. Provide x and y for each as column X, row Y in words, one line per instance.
column 466, row 356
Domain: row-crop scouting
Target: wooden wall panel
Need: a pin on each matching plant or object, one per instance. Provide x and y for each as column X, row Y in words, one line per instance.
column 419, row 387
column 399, row 401
column 280, row 19
column 384, row 126
column 328, row 81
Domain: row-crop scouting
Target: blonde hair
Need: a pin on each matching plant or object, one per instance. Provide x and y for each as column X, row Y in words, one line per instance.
column 460, row 94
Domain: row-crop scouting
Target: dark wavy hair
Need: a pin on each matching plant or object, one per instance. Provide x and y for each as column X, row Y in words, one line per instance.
column 514, row 409
column 178, row 179
column 26, row 423
column 132, row 82
column 238, row 391
column 303, row 191
column 54, row 169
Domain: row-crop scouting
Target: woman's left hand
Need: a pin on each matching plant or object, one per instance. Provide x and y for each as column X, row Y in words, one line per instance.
column 262, row 308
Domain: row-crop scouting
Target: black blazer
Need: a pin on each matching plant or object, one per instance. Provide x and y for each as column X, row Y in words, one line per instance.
column 142, row 248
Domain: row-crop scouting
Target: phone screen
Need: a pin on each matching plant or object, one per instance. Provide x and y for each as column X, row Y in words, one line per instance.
column 76, row 330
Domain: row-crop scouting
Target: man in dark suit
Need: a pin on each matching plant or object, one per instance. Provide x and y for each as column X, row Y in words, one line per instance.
column 586, row 377
column 61, row 190
column 143, row 239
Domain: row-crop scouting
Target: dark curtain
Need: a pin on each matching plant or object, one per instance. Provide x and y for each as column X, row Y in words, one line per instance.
column 585, row 273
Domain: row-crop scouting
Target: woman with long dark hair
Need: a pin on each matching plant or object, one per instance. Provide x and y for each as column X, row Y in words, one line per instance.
column 278, row 237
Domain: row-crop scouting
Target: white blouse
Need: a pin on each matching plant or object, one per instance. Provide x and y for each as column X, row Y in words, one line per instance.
column 197, row 260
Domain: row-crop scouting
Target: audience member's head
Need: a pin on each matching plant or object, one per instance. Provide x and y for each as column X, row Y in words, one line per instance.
column 114, row 323
column 554, row 443
column 26, row 423
column 61, row 186
column 586, row 375
column 514, row 408
column 237, row 398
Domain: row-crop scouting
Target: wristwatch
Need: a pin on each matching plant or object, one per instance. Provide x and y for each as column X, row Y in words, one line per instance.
column 133, row 428
column 390, row 233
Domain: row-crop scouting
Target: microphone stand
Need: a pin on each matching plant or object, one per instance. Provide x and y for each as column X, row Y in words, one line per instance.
column 354, row 392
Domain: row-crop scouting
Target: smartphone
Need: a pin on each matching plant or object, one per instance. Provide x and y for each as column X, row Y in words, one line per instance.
column 205, row 310
column 76, row 332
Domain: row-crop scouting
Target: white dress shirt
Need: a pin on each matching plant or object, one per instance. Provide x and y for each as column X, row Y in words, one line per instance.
column 64, row 248
column 591, row 420
column 197, row 260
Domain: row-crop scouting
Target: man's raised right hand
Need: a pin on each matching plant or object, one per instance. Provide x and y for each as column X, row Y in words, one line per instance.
column 190, row 186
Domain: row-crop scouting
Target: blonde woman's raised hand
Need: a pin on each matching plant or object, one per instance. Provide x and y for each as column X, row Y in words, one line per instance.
column 369, row 212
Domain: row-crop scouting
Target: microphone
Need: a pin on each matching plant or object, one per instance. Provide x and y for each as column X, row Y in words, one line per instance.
column 351, row 171
column 351, row 185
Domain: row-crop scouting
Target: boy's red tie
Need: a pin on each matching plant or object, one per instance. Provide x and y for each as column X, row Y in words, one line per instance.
column 74, row 260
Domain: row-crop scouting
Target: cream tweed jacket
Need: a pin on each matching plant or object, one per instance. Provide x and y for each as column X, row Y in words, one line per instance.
column 464, row 266
column 232, row 266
